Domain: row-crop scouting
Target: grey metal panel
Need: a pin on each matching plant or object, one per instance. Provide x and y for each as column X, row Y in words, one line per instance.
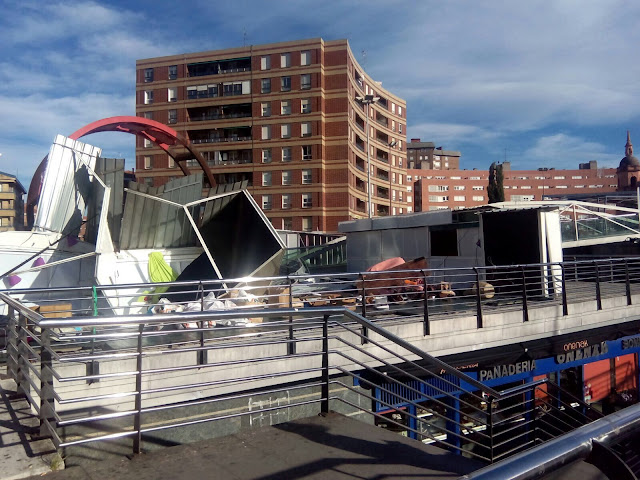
column 111, row 171
column 66, row 185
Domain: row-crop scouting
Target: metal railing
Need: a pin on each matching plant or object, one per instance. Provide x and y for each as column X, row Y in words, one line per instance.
column 407, row 296
column 125, row 371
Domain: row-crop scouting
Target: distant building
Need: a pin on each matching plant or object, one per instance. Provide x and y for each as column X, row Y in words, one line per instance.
column 426, row 156
column 11, row 203
column 629, row 168
column 286, row 118
column 457, row 189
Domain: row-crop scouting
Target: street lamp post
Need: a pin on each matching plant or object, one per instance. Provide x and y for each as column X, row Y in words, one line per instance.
column 368, row 100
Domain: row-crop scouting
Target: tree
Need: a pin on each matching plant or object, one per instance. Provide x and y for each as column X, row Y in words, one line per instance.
column 495, row 190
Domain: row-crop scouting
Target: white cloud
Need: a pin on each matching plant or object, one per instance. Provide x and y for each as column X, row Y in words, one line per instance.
column 565, row 151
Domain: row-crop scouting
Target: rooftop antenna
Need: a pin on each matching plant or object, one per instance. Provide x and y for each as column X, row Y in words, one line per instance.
column 244, row 36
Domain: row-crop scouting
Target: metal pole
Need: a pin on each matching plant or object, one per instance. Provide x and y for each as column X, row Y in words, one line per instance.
column 565, row 307
column 478, row 299
column 368, row 164
column 598, row 292
column 324, row 402
column 137, row 422
column 525, row 306
column 427, row 326
column 291, row 346
column 47, row 403
column 627, row 281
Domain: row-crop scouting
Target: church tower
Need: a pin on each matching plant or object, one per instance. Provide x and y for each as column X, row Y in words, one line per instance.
column 629, row 169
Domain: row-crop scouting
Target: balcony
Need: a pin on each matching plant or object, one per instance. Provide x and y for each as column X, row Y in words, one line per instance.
column 382, row 175
column 216, row 113
column 235, row 65
column 382, row 120
column 382, row 193
column 230, row 157
column 382, row 137
column 220, row 135
column 382, row 156
column 382, row 210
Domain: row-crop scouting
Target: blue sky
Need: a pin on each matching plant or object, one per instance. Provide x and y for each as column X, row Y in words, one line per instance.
column 544, row 83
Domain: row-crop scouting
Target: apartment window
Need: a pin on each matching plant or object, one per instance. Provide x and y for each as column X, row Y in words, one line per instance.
column 266, row 109
column 266, row 179
column 305, row 81
column 172, row 94
column 459, row 198
column 307, row 152
column 399, row 110
column 307, row 224
column 306, row 176
column 286, row 201
column 307, row 200
column 305, row 105
column 148, row 97
column 148, row 115
column 287, row 223
column 286, row 177
column 148, row 75
column 478, row 198
column 266, row 132
column 172, row 163
column 265, row 86
column 285, row 131
column 173, row 116
column 399, row 128
column 285, row 60
column 285, row 107
column 266, row 155
column 305, row 57
column 458, row 187
column 474, row 178
column 266, row 202
column 560, row 177
column 173, row 72
column 285, row 84
column 576, row 177
column 305, row 129
column 286, row 154
column 147, row 143
column 147, row 162
column 265, row 62
column 477, row 187
column 438, row 188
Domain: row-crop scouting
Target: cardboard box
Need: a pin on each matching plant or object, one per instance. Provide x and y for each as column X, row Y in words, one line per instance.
column 53, row 310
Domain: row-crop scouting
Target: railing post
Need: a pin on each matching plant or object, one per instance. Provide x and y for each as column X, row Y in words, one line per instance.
column 627, row 281
column 202, row 353
column 490, row 427
column 365, row 332
column 12, row 345
column 291, row 346
column 478, row 299
column 525, row 306
column 324, row 402
column 565, row 306
column 427, row 326
column 47, row 401
column 137, row 425
column 598, row 292
column 23, row 356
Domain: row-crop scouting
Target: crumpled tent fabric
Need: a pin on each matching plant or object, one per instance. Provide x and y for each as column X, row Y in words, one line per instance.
column 160, row 272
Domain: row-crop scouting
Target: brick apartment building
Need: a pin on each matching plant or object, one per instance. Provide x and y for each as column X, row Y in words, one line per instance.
column 11, row 203
column 286, row 118
column 426, row 156
column 456, row 189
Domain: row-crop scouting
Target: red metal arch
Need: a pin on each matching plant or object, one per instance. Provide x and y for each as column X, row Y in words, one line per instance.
column 158, row 133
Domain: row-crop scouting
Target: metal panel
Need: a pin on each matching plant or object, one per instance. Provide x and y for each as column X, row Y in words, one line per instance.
column 66, row 185
column 111, row 171
column 149, row 223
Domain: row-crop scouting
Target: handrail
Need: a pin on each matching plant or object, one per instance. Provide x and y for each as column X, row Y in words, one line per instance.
column 576, row 445
column 281, row 312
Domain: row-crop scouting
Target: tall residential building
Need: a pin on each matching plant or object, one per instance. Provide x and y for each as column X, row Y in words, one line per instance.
column 456, row 189
column 426, row 156
column 286, row 118
column 11, row 203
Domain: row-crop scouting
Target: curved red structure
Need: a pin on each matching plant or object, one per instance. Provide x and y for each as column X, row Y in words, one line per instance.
column 156, row 132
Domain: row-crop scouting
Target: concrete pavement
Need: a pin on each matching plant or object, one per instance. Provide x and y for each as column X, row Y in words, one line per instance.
column 20, row 455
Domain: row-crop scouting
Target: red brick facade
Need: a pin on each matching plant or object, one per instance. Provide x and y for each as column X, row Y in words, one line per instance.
column 285, row 117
